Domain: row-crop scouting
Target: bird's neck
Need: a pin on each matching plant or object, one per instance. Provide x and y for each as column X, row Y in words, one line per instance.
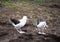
column 23, row 20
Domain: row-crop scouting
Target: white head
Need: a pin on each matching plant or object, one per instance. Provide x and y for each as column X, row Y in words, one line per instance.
column 25, row 17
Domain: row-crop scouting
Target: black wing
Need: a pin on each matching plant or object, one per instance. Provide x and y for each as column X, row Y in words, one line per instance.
column 15, row 21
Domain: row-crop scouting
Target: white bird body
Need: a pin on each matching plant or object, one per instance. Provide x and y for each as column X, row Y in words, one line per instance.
column 40, row 24
column 21, row 23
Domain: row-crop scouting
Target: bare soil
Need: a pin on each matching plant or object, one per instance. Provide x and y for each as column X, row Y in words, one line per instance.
column 9, row 34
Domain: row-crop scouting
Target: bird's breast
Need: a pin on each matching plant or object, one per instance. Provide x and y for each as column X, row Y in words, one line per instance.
column 41, row 24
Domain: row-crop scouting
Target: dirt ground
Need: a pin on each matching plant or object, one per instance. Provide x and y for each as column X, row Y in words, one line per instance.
column 9, row 34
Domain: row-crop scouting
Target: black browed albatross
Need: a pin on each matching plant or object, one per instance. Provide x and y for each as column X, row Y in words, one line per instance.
column 41, row 25
column 18, row 24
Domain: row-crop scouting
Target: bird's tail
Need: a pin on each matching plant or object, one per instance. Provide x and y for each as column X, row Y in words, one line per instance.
column 11, row 22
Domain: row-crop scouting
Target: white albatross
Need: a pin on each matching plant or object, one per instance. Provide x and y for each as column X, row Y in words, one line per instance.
column 41, row 25
column 18, row 24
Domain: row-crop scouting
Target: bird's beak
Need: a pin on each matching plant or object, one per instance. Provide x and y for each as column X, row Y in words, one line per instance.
column 46, row 26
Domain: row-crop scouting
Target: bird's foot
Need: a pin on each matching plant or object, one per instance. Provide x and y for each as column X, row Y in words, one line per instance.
column 41, row 33
column 21, row 32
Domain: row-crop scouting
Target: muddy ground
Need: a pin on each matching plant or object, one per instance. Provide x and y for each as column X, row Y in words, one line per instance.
column 9, row 34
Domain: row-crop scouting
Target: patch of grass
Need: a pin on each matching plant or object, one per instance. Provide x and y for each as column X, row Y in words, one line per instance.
column 9, row 4
column 22, row 5
column 29, row 1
